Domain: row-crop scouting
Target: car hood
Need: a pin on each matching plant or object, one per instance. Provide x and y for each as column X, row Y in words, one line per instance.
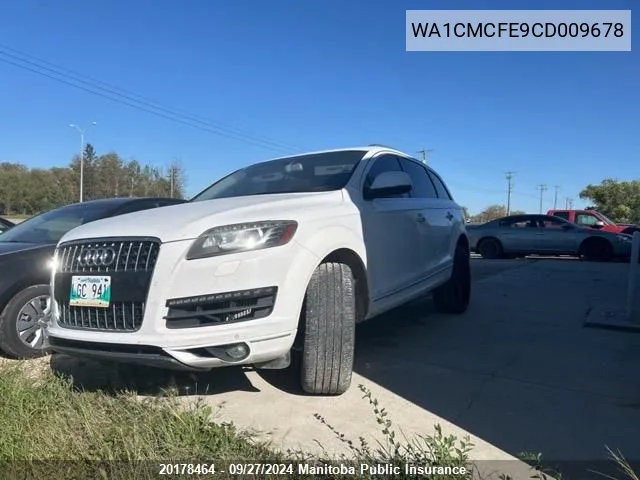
column 189, row 220
column 7, row 248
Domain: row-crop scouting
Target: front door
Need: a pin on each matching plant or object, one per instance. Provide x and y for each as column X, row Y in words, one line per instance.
column 391, row 234
column 557, row 237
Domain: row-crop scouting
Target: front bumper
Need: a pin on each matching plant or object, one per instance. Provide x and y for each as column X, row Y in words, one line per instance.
column 190, row 347
column 622, row 250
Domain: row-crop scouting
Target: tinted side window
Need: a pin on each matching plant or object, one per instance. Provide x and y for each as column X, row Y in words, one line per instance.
column 422, row 185
column 551, row 222
column 517, row 222
column 385, row 163
column 441, row 188
column 520, row 222
column 564, row 215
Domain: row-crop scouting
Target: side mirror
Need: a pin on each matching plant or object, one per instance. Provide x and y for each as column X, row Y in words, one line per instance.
column 598, row 224
column 389, row 183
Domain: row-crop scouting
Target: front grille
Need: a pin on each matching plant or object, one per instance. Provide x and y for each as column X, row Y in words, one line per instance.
column 102, row 256
column 129, row 261
column 119, row 317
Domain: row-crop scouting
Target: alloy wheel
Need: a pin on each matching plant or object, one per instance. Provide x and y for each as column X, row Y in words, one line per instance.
column 31, row 321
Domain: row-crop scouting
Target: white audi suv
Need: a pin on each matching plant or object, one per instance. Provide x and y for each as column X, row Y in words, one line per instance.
column 276, row 259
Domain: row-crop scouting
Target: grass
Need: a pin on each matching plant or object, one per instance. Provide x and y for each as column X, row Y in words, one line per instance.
column 48, row 430
column 43, row 418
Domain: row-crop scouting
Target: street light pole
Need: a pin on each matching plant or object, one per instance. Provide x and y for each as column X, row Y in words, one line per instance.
column 82, row 132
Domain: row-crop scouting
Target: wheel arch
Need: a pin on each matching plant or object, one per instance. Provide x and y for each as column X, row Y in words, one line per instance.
column 10, row 291
column 463, row 240
column 350, row 258
column 594, row 239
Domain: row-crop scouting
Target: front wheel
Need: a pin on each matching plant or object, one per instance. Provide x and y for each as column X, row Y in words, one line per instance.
column 22, row 323
column 328, row 331
column 597, row 250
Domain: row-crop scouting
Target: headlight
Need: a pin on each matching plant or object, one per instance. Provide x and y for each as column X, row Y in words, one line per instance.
column 53, row 262
column 242, row 237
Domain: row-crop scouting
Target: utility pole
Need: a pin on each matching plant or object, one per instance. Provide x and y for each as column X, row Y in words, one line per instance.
column 425, row 152
column 566, row 203
column 172, row 177
column 542, row 189
column 509, row 176
column 82, row 132
column 555, row 198
column 571, row 204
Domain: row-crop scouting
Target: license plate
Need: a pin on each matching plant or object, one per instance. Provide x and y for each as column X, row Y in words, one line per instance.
column 90, row 291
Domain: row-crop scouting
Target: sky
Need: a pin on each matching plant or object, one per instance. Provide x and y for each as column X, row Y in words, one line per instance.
column 265, row 79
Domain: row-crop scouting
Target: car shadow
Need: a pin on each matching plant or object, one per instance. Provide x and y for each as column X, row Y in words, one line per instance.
column 89, row 375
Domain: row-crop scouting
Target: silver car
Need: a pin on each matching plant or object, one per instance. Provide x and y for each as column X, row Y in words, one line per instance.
column 520, row 235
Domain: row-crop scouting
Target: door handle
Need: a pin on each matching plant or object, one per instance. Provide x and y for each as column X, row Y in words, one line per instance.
column 420, row 218
column 449, row 216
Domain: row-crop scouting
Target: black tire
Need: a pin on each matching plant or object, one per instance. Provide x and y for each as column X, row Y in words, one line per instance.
column 454, row 295
column 596, row 250
column 10, row 343
column 490, row 248
column 327, row 325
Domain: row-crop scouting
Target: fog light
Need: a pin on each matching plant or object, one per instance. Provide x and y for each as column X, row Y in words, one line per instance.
column 237, row 351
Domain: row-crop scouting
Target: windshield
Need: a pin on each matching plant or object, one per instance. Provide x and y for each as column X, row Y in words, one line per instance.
column 49, row 227
column 319, row 172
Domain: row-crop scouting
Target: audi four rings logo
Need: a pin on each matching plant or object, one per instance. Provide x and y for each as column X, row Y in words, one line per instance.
column 97, row 257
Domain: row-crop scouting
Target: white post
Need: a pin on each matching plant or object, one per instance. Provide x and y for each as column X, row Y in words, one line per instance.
column 632, row 302
column 81, row 165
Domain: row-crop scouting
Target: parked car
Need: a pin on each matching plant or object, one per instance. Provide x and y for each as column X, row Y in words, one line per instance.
column 26, row 253
column 595, row 220
column 5, row 224
column 520, row 235
column 280, row 257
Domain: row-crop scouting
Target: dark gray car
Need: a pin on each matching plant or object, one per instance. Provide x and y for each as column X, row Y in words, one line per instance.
column 520, row 235
column 26, row 251
column 5, row 224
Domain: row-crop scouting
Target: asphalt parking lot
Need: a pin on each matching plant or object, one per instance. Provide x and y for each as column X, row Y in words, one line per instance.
column 518, row 372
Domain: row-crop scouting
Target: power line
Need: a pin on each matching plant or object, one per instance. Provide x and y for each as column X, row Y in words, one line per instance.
column 425, row 153
column 568, row 203
column 542, row 189
column 103, row 89
column 509, row 176
column 555, row 198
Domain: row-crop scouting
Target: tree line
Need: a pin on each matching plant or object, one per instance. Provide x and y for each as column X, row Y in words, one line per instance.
column 28, row 191
column 618, row 200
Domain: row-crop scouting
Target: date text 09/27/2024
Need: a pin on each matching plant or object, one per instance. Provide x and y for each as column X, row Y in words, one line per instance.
column 262, row 469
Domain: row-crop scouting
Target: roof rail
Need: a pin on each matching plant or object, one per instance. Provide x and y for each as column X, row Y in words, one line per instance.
column 381, row 145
